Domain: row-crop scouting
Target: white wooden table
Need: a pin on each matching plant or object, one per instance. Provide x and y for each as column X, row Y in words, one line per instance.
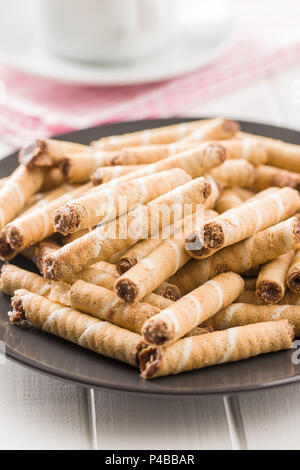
column 37, row 412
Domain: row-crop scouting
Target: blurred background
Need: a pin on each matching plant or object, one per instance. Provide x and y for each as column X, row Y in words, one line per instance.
column 71, row 64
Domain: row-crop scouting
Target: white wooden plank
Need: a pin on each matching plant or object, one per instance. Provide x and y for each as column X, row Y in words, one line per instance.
column 37, row 412
column 135, row 422
column 272, row 418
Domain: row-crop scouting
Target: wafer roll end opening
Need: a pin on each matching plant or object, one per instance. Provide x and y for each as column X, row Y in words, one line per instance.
column 6, row 251
column 294, row 282
column 194, row 245
column 126, row 290
column 96, row 178
column 270, row 292
column 35, row 154
column 213, row 235
column 50, row 268
column 215, row 151
column 149, row 360
column 156, row 332
column 231, row 127
column 124, row 264
column 170, row 292
column 14, row 237
column 66, row 220
column 16, row 315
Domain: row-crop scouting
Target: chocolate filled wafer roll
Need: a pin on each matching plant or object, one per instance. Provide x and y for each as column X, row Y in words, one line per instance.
column 108, row 173
column 36, row 253
column 293, row 274
column 249, row 297
column 215, row 348
column 103, row 206
column 242, row 222
column 48, row 152
column 234, row 173
column 145, row 154
column 271, row 282
column 266, row 176
column 143, row 222
column 159, row 135
column 217, row 129
column 99, row 336
column 193, row 309
column 17, row 190
column 240, row 314
column 258, row 249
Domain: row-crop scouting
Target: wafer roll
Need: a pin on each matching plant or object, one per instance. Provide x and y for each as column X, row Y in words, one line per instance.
column 49, row 152
column 159, row 265
column 79, row 167
column 108, row 173
column 145, row 154
column 293, row 274
column 228, row 199
column 33, row 227
column 167, row 290
column 67, row 323
column 271, row 282
column 219, row 347
column 280, row 154
column 258, row 249
column 159, row 135
column 248, row 149
column 36, row 253
column 193, row 309
column 196, row 162
column 143, row 222
column 266, row 176
column 249, row 297
column 103, row 206
column 217, row 129
column 240, row 314
column 200, row 330
column 242, row 222
column 234, row 173
column 105, row 305
column 136, row 253
column 14, row 278
column 17, row 190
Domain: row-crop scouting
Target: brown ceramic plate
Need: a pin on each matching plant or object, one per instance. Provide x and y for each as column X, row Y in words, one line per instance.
column 66, row 361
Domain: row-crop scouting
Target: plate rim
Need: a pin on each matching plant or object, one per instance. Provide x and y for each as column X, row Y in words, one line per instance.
column 70, row 377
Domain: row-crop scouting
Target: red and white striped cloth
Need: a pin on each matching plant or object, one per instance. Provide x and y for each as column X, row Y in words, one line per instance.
column 268, row 42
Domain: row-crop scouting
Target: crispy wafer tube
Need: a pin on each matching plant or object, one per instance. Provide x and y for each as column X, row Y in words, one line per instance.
column 193, row 309
column 266, row 176
column 228, row 199
column 67, row 323
column 145, row 154
column 249, row 149
column 159, row 135
column 271, row 282
column 17, row 190
column 104, row 304
column 160, row 264
column 258, row 249
column 35, row 226
column 78, row 167
column 167, row 290
column 141, row 223
column 240, row 314
column 109, row 204
column 73, row 236
column 49, row 152
column 108, row 173
column 280, row 154
column 234, row 173
column 249, row 297
column 36, row 253
column 242, row 222
column 217, row 129
column 196, row 162
column 14, row 278
column 293, row 274
column 214, row 348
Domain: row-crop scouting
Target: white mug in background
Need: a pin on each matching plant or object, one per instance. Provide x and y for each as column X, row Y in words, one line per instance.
column 109, row 31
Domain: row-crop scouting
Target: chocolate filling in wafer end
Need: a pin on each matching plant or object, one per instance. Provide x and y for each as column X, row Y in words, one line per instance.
column 126, row 290
column 14, row 237
column 66, row 220
column 294, row 282
column 50, row 268
column 213, row 235
column 270, row 292
column 6, row 251
column 156, row 332
column 170, row 292
column 207, row 190
column 35, row 154
column 194, row 244
column 232, row 127
column 216, row 150
column 149, row 360
column 125, row 264
column 17, row 315
column 96, row 179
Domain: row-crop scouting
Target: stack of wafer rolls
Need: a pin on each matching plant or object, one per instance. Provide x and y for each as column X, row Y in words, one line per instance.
column 149, row 241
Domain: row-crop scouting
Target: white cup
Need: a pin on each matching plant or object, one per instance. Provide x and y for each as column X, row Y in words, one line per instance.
column 107, row 30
